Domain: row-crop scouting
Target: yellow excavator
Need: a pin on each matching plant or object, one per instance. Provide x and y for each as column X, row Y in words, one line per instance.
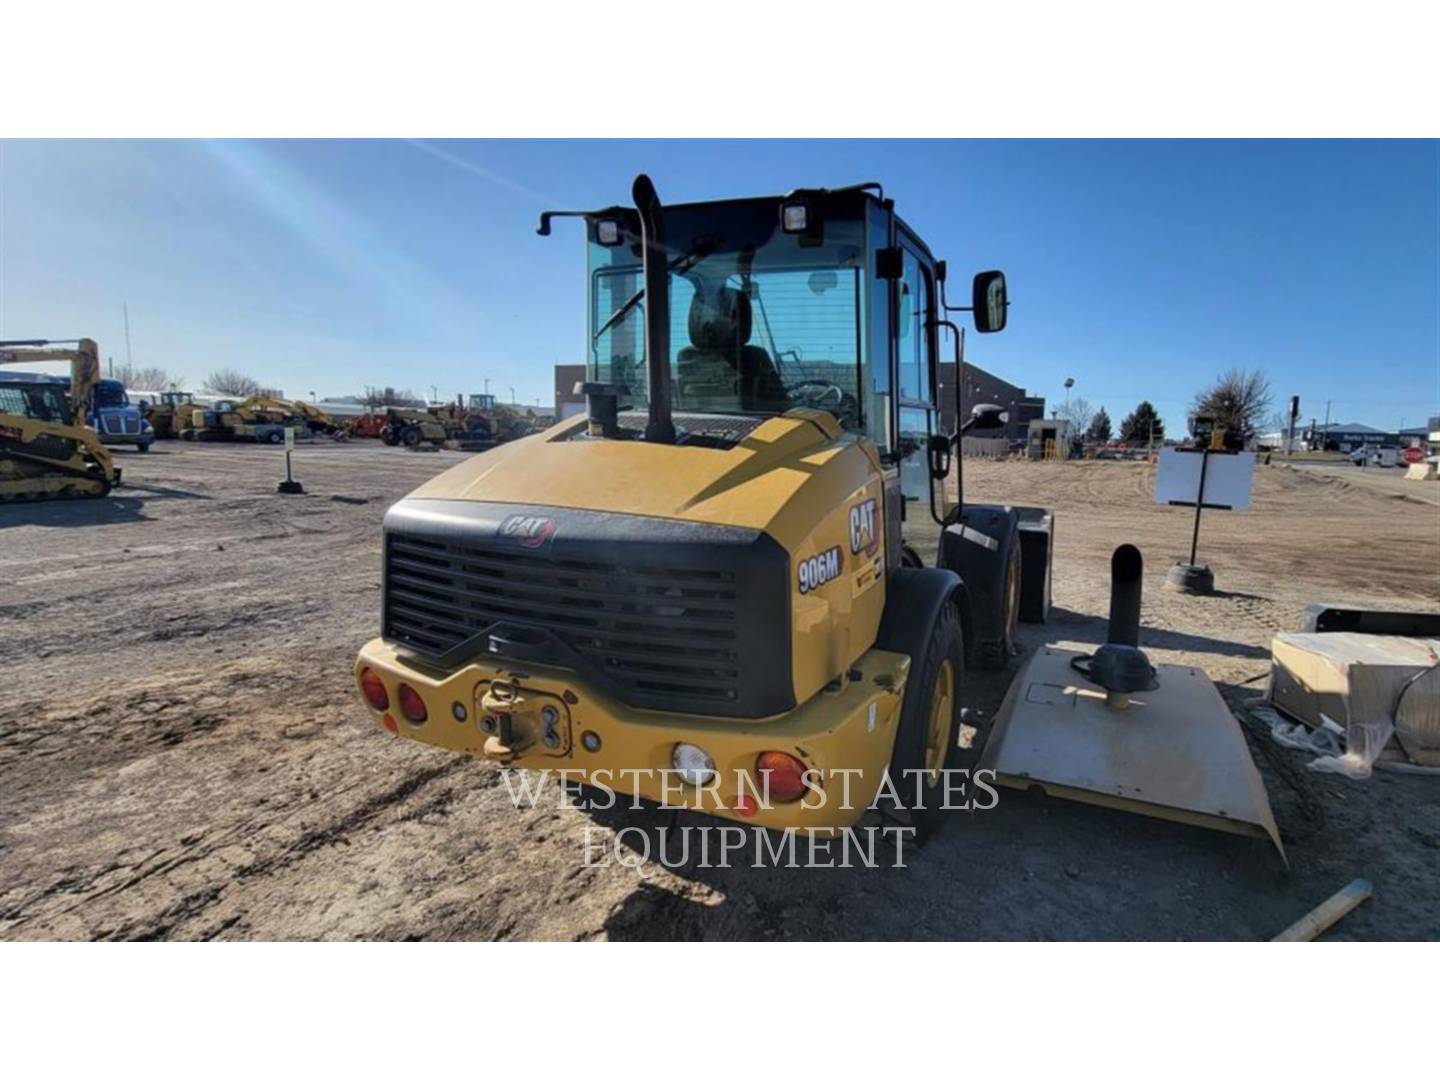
column 46, row 451
column 253, row 419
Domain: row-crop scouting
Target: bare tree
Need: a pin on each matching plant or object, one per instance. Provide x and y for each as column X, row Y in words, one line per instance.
column 1238, row 400
column 1079, row 413
column 231, row 383
column 147, row 378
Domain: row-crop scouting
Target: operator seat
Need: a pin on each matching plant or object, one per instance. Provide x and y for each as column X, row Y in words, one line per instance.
column 720, row 368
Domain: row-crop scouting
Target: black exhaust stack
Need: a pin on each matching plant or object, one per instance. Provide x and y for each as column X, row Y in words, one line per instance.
column 1119, row 665
column 660, row 428
column 1126, row 566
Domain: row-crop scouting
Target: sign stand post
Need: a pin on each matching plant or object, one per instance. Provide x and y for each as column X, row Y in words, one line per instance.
column 1206, row 478
column 289, row 486
column 1191, row 577
column 1199, row 502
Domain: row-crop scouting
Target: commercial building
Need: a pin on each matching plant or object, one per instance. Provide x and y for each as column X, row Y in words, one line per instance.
column 983, row 387
column 1347, row 437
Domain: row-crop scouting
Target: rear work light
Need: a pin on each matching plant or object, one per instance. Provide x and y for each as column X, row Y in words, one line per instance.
column 411, row 704
column 784, row 774
column 374, row 690
column 607, row 232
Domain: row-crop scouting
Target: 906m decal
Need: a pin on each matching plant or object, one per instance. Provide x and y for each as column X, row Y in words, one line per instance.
column 819, row 569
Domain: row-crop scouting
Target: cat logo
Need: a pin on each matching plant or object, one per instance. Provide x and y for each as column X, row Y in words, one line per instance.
column 527, row 530
column 864, row 536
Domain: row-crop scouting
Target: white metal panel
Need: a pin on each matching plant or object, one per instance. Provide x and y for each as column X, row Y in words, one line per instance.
column 1227, row 478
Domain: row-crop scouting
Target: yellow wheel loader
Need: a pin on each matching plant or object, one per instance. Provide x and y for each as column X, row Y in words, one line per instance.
column 170, row 413
column 46, row 451
column 411, row 427
column 701, row 592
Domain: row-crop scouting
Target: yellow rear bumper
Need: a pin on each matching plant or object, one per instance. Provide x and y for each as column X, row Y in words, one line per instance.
column 560, row 723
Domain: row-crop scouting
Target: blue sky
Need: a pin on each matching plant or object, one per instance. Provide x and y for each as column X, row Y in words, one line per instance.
column 1140, row 268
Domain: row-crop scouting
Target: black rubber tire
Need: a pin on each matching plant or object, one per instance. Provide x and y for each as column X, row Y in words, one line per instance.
column 388, row 436
column 994, row 655
column 143, row 447
column 945, row 640
column 411, row 436
column 275, row 438
column 910, row 557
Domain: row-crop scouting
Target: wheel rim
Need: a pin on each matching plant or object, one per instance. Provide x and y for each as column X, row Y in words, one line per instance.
column 937, row 733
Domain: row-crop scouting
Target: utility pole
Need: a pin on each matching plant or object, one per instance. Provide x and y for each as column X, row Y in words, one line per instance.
column 487, row 386
column 1325, row 435
column 512, row 395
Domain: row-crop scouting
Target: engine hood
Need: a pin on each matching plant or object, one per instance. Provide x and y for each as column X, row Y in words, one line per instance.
column 749, row 484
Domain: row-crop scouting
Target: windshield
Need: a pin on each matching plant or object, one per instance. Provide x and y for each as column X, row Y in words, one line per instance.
column 110, row 393
column 760, row 321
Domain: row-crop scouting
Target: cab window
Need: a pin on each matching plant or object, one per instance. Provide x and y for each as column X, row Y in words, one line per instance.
column 913, row 330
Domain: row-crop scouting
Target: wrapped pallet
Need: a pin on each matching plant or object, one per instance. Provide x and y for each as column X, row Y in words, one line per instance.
column 1374, row 686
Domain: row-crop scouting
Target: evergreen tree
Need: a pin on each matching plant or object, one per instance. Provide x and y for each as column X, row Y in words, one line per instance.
column 1140, row 426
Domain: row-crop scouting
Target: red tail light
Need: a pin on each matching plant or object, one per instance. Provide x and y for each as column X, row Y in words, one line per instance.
column 786, row 775
column 411, row 704
column 374, row 690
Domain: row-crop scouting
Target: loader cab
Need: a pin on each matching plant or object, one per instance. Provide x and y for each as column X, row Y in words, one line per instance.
column 820, row 298
column 36, row 397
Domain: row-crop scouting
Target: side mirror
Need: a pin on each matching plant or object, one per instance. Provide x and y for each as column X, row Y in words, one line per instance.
column 989, row 301
column 987, row 417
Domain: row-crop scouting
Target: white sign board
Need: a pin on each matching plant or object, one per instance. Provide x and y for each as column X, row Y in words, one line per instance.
column 289, row 438
column 1227, row 479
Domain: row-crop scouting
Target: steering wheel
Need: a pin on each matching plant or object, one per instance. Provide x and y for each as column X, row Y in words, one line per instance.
column 824, row 394
column 830, row 394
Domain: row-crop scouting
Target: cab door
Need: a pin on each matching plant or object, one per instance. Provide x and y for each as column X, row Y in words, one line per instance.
column 914, row 329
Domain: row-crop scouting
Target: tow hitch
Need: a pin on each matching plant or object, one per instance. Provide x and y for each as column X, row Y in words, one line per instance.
column 516, row 719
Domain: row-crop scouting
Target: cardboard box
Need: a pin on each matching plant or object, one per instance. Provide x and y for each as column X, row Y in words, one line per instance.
column 1369, row 684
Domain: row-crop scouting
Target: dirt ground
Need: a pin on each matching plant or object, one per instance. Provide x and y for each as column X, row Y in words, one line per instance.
column 182, row 755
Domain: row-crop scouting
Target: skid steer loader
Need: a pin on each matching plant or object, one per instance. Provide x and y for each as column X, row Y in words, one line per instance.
column 702, row 591
column 46, row 451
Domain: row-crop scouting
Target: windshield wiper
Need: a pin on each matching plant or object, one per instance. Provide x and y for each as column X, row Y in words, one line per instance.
column 681, row 263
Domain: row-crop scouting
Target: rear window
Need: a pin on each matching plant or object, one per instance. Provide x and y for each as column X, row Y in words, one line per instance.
column 35, row 401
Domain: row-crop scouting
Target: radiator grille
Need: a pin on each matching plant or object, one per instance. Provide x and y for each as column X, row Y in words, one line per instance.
column 660, row 635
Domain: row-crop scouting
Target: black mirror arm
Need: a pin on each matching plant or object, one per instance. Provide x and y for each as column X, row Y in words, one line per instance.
column 547, row 216
column 946, row 304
